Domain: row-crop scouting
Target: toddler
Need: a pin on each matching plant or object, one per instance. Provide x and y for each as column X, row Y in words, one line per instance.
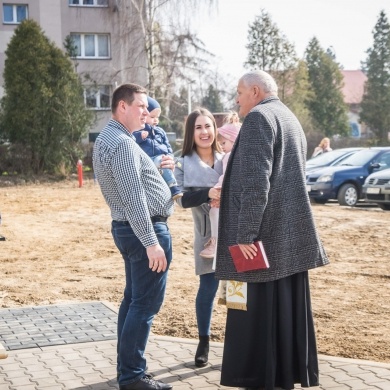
column 227, row 135
column 154, row 142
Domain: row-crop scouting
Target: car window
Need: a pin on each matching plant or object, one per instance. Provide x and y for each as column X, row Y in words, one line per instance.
column 326, row 158
column 384, row 160
column 360, row 158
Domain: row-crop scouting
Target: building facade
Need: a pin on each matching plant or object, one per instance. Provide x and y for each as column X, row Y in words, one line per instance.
column 353, row 90
column 108, row 39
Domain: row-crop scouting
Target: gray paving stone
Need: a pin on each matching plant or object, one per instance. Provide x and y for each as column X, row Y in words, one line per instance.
column 57, row 369
column 56, row 324
column 21, row 381
column 25, row 387
column 92, row 365
column 380, row 385
column 17, row 374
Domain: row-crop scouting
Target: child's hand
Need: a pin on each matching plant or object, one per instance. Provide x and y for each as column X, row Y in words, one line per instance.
column 214, row 203
column 144, row 134
column 215, row 193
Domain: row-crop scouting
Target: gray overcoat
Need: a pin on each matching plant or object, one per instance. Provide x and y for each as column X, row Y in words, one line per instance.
column 193, row 174
column 264, row 197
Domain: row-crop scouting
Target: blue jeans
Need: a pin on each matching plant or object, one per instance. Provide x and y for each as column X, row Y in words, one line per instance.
column 143, row 297
column 208, row 287
column 166, row 173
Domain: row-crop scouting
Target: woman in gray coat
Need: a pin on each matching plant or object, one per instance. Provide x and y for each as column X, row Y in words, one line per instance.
column 196, row 172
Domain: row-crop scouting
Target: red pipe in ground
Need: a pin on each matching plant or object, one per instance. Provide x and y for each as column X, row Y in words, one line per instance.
column 80, row 172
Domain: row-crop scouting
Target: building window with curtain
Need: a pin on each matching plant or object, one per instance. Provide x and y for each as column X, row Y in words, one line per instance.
column 14, row 13
column 97, row 97
column 91, row 45
column 89, row 3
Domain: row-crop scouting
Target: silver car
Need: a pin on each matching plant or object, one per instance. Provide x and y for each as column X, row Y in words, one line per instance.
column 376, row 189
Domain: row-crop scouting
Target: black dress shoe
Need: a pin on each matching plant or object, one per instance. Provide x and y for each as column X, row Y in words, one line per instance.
column 146, row 383
column 145, row 374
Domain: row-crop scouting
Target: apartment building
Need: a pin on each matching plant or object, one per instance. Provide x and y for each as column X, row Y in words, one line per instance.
column 353, row 90
column 108, row 37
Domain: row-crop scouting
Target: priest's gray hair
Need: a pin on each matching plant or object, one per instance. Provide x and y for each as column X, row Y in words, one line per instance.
column 261, row 79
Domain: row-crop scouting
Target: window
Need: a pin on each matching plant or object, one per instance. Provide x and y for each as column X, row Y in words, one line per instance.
column 91, row 45
column 97, row 98
column 14, row 13
column 384, row 160
column 90, row 3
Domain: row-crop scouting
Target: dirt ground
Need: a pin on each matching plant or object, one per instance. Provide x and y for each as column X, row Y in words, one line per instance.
column 59, row 249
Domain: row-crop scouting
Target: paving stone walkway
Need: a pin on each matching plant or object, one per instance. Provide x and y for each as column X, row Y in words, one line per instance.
column 41, row 326
column 86, row 363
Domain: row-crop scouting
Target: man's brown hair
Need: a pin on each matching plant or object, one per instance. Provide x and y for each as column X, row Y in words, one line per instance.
column 126, row 93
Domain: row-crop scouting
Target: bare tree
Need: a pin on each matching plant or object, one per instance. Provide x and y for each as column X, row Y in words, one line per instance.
column 162, row 45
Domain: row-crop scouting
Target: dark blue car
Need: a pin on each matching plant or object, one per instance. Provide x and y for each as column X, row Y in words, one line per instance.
column 344, row 182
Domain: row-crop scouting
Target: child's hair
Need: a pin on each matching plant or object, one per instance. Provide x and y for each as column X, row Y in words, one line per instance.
column 232, row 117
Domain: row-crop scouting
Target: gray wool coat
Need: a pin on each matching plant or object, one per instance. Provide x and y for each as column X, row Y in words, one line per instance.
column 264, row 197
column 193, row 174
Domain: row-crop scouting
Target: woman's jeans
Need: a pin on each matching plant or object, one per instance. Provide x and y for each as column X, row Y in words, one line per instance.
column 208, row 287
column 143, row 297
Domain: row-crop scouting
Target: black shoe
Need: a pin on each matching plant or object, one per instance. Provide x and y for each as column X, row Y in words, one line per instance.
column 146, row 374
column 146, row 383
column 202, row 352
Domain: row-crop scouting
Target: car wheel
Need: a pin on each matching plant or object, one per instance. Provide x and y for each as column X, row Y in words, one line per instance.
column 320, row 201
column 384, row 206
column 348, row 195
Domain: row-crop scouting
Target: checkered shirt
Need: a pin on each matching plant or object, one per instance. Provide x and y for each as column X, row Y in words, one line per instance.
column 130, row 182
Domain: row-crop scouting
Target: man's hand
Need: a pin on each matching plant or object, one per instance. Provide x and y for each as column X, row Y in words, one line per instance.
column 167, row 162
column 157, row 259
column 249, row 250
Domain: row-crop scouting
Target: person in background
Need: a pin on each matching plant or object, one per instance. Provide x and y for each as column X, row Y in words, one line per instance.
column 197, row 171
column 323, row 147
column 272, row 343
column 140, row 204
column 154, row 142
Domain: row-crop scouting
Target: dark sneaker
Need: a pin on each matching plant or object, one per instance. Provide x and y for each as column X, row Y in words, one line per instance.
column 146, row 383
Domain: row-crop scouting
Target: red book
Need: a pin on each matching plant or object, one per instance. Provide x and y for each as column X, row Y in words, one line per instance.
column 242, row 264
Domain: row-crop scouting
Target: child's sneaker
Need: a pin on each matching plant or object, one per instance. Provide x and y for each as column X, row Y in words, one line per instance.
column 209, row 249
column 176, row 192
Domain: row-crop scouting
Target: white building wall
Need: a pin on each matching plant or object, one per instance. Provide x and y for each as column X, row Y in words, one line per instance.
column 50, row 20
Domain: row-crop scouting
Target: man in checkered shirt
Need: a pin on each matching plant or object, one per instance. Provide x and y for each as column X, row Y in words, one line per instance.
column 140, row 202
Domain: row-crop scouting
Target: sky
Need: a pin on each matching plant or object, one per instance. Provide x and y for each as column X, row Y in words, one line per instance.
column 345, row 25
